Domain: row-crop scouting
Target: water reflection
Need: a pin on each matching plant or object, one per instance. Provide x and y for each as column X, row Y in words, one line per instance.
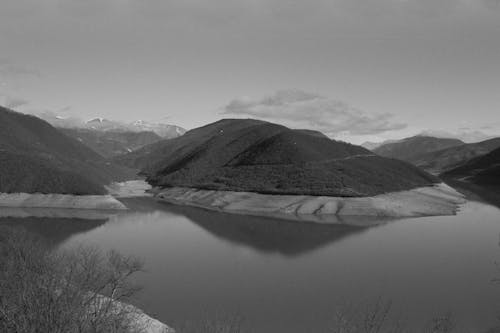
column 487, row 194
column 267, row 235
column 54, row 230
column 289, row 276
column 48, row 213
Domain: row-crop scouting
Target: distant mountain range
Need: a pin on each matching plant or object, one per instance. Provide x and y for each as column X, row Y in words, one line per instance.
column 110, row 138
column 447, row 159
column 436, row 155
column 165, row 131
column 373, row 145
column 257, row 156
column 112, row 143
column 231, row 154
column 484, row 170
column 408, row 148
column 36, row 157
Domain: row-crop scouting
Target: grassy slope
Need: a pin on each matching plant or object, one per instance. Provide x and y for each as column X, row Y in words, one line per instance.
column 36, row 157
column 250, row 155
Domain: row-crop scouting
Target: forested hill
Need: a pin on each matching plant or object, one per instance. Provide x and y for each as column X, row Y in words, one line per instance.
column 36, row 157
column 257, row 156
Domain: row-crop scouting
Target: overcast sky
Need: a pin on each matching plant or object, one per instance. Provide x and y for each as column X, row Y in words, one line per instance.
column 355, row 69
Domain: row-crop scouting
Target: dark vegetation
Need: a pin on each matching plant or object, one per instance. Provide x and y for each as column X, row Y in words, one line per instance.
column 36, row 157
column 77, row 291
column 252, row 155
column 112, row 143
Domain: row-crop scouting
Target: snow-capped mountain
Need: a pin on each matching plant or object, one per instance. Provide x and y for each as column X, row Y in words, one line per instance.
column 163, row 130
column 102, row 124
column 166, row 131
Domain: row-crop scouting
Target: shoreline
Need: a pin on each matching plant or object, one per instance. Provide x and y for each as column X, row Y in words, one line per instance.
column 63, row 201
column 437, row 200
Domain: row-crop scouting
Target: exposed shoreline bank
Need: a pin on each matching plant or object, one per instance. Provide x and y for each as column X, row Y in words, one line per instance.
column 436, row 200
column 66, row 201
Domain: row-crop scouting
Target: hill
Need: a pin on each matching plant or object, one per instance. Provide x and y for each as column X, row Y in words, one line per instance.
column 112, row 143
column 257, row 156
column 483, row 170
column 446, row 159
column 410, row 148
column 36, row 157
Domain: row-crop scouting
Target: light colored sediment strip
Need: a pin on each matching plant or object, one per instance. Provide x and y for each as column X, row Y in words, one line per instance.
column 439, row 199
column 38, row 200
column 85, row 214
column 129, row 189
column 141, row 320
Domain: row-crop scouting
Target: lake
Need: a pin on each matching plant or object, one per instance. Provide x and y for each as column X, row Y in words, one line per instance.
column 284, row 276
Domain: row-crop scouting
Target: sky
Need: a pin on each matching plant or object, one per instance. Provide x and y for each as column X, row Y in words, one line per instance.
column 357, row 70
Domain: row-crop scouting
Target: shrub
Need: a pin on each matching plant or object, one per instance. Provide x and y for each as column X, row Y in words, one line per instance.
column 77, row 291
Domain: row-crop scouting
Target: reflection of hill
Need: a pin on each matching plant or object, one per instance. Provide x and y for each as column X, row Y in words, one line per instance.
column 267, row 234
column 53, row 230
column 489, row 194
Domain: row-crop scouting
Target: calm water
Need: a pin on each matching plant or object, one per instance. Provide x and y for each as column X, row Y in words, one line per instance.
column 291, row 277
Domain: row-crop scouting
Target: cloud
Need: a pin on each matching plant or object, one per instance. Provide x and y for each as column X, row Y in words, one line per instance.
column 300, row 109
column 59, row 118
column 12, row 102
column 9, row 70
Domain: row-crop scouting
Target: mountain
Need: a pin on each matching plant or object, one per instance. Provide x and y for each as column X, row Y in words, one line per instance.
column 257, row 156
column 484, row 170
column 112, row 143
column 449, row 158
column 409, row 148
column 101, row 124
column 165, row 131
column 373, row 145
column 36, row 157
